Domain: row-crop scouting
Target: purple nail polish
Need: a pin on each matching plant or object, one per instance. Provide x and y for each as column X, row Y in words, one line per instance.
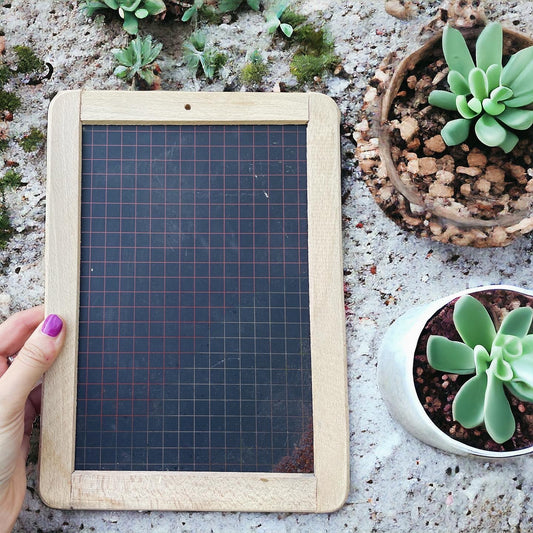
column 52, row 326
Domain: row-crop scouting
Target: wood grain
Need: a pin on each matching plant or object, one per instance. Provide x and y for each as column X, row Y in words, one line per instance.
column 326, row 304
column 61, row 296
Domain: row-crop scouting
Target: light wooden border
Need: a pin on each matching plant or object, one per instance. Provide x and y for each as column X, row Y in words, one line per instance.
column 323, row 491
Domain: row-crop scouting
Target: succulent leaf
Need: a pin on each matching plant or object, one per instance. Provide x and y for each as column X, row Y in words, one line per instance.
column 130, row 24
column 473, row 322
column 141, row 13
column 489, row 131
column 443, row 99
column 523, row 391
column 521, row 99
column 475, row 105
column 502, row 369
column 468, row 406
column 478, row 83
column 493, row 76
column 500, row 94
column 154, row 7
column 518, row 119
column 457, row 83
column 456, row 51
column 510, row 141
column 489, row 46
column 450, row 356
column 456, row 131
column 464, row 108
column 523, row 369
column 517, row 322
column 516, row 66
column 498, row 417
column 493, row 108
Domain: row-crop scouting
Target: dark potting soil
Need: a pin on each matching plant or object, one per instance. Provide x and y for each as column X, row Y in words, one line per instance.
column 436, row 390
column 480, row 194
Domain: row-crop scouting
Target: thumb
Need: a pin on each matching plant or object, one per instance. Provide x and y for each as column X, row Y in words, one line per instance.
column 32, row 361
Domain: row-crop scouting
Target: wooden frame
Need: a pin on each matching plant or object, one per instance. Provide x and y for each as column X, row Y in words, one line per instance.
column 323, row 491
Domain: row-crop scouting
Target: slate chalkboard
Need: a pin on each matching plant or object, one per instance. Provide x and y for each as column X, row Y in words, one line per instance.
column 194, row 343
column 194, row 251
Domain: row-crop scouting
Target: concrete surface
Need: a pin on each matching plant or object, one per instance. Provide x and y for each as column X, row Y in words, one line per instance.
column 397, row 483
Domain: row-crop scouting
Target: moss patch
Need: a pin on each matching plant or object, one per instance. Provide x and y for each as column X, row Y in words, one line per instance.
column 27, row 61
column 255, row 70
column 33, row 140
column 6, row 229
column 306, row 67
column 11, row 180
column 9, row 101
column 5, row 74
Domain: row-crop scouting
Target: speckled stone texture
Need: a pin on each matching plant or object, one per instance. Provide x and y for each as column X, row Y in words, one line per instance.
column 397, row 483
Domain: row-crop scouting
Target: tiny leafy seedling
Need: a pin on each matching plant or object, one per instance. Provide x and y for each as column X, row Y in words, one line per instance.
column 136, row 61
column 273, row 17
column 198, row 54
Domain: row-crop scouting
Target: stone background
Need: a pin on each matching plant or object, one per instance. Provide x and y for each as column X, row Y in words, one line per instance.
column 397, row 483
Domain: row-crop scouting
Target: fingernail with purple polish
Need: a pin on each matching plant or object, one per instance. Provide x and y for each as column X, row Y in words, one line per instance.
column 52, row 326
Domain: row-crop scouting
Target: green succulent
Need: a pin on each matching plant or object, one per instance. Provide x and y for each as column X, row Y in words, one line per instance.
column 273, row 15
column 129, row 10
column 231, row 5
column 137, row 60
column 487, row 93
column 498, row 359
column 198, row 54
column 192, row 11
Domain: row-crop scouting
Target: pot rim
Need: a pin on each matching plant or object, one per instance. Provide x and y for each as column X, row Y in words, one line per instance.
column 384, row 106
column 429, row 311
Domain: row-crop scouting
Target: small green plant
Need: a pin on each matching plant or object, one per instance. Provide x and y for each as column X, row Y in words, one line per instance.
column 232, row 5
column 32, row 140
column 197, row 54
column 5, row 74
column 27, row 61
column 9, row 101
column 11, row 180
column 192, row 12
column 486, row 93
column 136, row 61
column 306, row 67
column 273, row 17
column 498, row 359
column 254, row 71
column 131, row 11
column 6, row 229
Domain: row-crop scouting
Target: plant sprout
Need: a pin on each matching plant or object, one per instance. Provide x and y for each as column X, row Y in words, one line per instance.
column 487, row 94
column 136, row 61
column 498, row 359
column 273, row 15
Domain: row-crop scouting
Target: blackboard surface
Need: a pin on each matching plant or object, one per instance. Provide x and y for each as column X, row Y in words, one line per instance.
column 194, row 342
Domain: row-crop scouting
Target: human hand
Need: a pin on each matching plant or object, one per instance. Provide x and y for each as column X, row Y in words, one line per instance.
column 36, row 345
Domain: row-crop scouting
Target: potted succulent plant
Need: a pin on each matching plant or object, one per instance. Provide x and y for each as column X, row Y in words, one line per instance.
column 444, row 145
column 458, row 373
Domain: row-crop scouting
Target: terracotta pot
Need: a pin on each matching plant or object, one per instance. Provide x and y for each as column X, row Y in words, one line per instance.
column 396, row 381
column 465, row 230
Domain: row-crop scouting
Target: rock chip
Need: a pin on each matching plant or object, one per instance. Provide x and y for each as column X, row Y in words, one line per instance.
column 445, row 177
column 440, row 190
column 482, row 185
column 398, row 9
column 427, row 166
column 466, row 189
column 494, row 174
column 436, row 144
column 476, row 158
column 408, row 128
column 518, row 172
column 469, row 171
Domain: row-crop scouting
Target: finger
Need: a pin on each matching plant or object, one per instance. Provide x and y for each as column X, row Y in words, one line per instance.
column 33, row 359
column 17, row 328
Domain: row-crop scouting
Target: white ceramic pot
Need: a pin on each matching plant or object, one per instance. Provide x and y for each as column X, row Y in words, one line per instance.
column 395, row 377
